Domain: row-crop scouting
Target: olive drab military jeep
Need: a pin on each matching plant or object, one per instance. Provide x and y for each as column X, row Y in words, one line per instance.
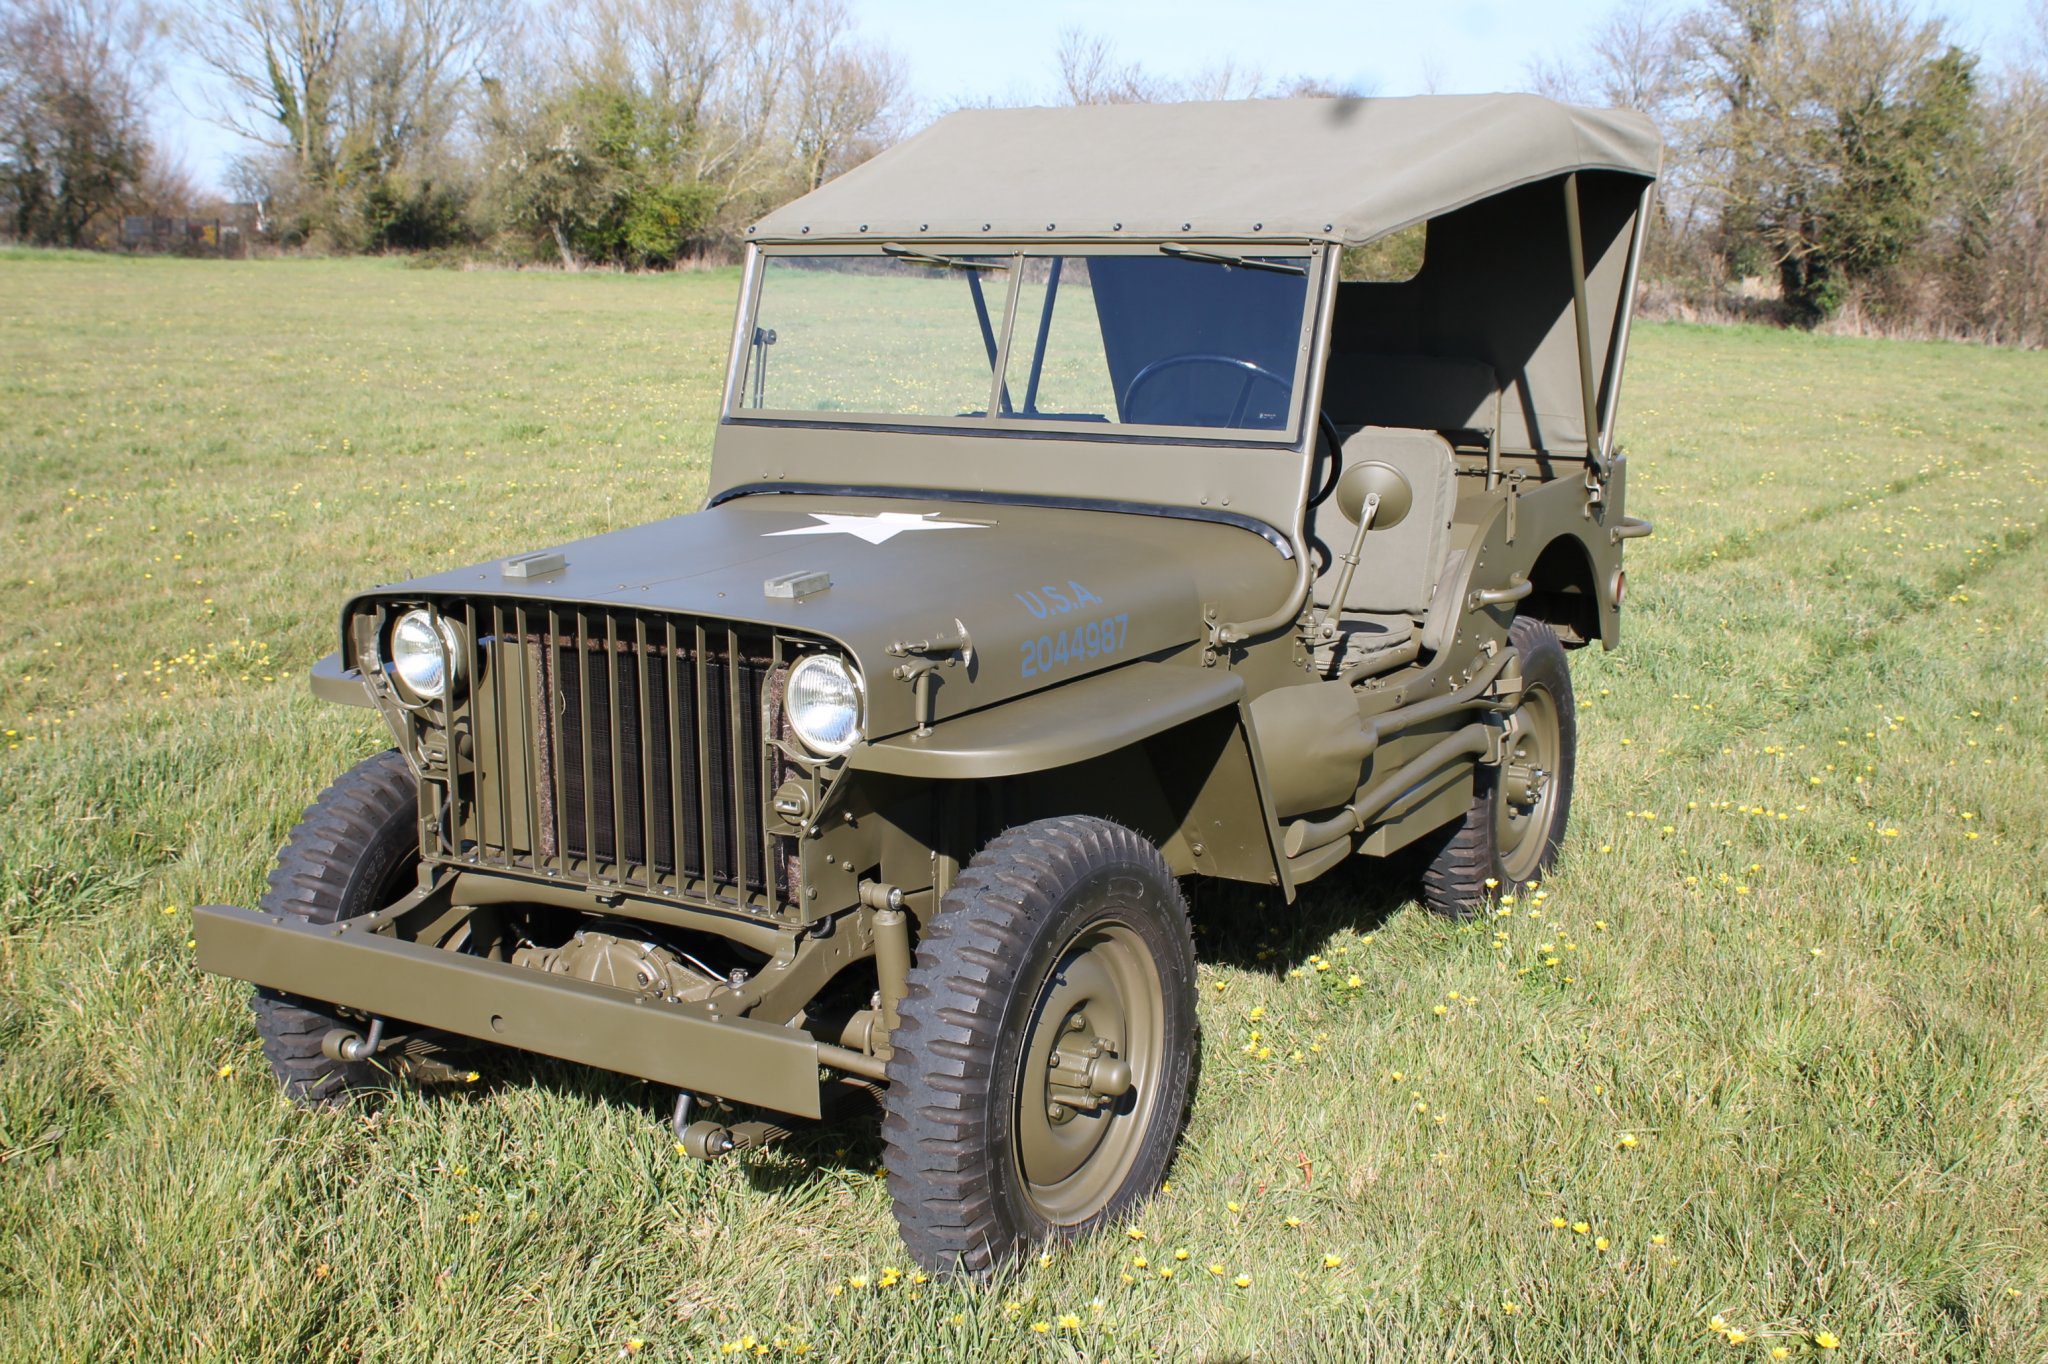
column 1078, row 524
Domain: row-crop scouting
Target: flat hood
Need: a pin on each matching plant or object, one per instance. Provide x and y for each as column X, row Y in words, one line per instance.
column 1045, row 594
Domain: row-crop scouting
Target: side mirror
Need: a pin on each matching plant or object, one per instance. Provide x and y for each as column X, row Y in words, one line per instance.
column 1362, row 480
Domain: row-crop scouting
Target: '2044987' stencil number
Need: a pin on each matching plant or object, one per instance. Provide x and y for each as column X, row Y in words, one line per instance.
column 1093, row 639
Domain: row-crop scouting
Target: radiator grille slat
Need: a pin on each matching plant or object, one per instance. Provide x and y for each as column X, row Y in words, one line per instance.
column 619, row 748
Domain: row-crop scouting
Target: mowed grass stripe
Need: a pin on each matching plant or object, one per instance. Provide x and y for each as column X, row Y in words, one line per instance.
column 1848, row 1142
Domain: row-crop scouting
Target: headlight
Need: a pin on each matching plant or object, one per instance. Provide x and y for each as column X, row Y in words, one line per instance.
column 823, row 701
column 423, row 656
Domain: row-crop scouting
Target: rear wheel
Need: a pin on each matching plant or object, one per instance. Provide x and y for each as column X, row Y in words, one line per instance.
column 1511, row 834
column 1046, row 1043
column 355, row 851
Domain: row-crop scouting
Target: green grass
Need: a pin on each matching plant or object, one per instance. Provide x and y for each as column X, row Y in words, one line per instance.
column 1800, row 931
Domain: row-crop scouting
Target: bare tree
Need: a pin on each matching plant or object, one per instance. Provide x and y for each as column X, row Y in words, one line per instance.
column 679, row 47
column 404, row 75
column 73, row 144
column 2016, row 134
column 844, row 96
column 1090, row 73
column 282, row 66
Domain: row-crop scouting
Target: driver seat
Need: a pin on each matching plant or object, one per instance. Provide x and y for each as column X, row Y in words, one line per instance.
column 1400, row 565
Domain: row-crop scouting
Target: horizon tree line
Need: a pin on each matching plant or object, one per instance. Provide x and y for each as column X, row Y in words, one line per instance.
column 1828, row 159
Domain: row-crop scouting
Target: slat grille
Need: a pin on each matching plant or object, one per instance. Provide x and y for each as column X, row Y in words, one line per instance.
column 619, row 748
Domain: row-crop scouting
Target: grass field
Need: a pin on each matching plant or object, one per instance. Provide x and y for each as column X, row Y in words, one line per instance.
column 1770, row 1050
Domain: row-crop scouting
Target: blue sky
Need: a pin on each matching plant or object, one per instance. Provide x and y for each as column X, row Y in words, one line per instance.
column 964, row 49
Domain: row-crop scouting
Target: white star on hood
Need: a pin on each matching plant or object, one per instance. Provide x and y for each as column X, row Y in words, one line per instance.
column 876, row 529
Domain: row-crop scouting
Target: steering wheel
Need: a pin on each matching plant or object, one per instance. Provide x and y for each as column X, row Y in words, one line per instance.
column 1328, row 430
column 1253, row 375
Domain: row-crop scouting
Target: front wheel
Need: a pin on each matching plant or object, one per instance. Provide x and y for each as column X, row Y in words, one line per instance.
column 356, row 850
column 1045, row 1045
column 1511, row 834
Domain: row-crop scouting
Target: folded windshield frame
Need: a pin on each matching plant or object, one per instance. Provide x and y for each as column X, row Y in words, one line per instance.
column 997, row 272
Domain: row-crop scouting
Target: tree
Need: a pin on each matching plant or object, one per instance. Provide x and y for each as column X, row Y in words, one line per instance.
column 1090, row 73
column 1824, row 128
column 355, row 103
column 281, row 65
column 843, row 97
column 73, row 145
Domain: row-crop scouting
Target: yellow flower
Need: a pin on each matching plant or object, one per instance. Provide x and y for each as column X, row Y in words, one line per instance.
column 1332, row 1261
column 1353, row 982
column 225, row 1071
column 1041, row 1326
column 1780, row 1352
column 1736, row 1336
column 1166, row 1271
column 635, row 1345
column 1181, row 1254
column 1294, row 1221
column 1660, row 1239
column 1070, row 1322
column 1217, row 1270
column 1136, row 1233
column 1626, row 1140
column 1559, row 1223
column 1582, row 1227
column 1827, row 1340
column 1601, row 1243
column 1243, row 1281
column 1258, row 1012
column 1718, row 1322
column 1509, row 1307
column 1439, row 1010
column 1233, row 1206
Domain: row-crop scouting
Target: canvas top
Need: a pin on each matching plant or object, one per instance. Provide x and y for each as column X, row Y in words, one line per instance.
column 1342, row 170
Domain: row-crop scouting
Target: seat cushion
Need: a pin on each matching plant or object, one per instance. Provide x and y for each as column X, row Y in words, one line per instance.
column 1400, row 564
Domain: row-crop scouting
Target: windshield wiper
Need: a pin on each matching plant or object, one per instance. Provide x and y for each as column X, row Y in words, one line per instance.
column 1215, row 257
column 902, row 252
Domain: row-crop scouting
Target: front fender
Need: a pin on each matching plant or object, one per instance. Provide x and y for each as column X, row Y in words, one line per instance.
column 1056, row 727
column 1088, row 746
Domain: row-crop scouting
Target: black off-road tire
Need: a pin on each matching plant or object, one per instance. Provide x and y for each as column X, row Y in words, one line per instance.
column 354, row 851
column 1468, row 854
column 982, row 981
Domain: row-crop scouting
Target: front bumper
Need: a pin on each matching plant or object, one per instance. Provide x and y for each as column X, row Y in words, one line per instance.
column 734, row 1058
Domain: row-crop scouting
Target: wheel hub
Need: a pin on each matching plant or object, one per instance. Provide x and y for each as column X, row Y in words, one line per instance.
column 1531, row 749
column 1088, row 1073
column 1524, row 784
column 1084, row 1075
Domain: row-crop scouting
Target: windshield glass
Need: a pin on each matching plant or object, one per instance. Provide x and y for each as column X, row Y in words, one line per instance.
column 1168, row 340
